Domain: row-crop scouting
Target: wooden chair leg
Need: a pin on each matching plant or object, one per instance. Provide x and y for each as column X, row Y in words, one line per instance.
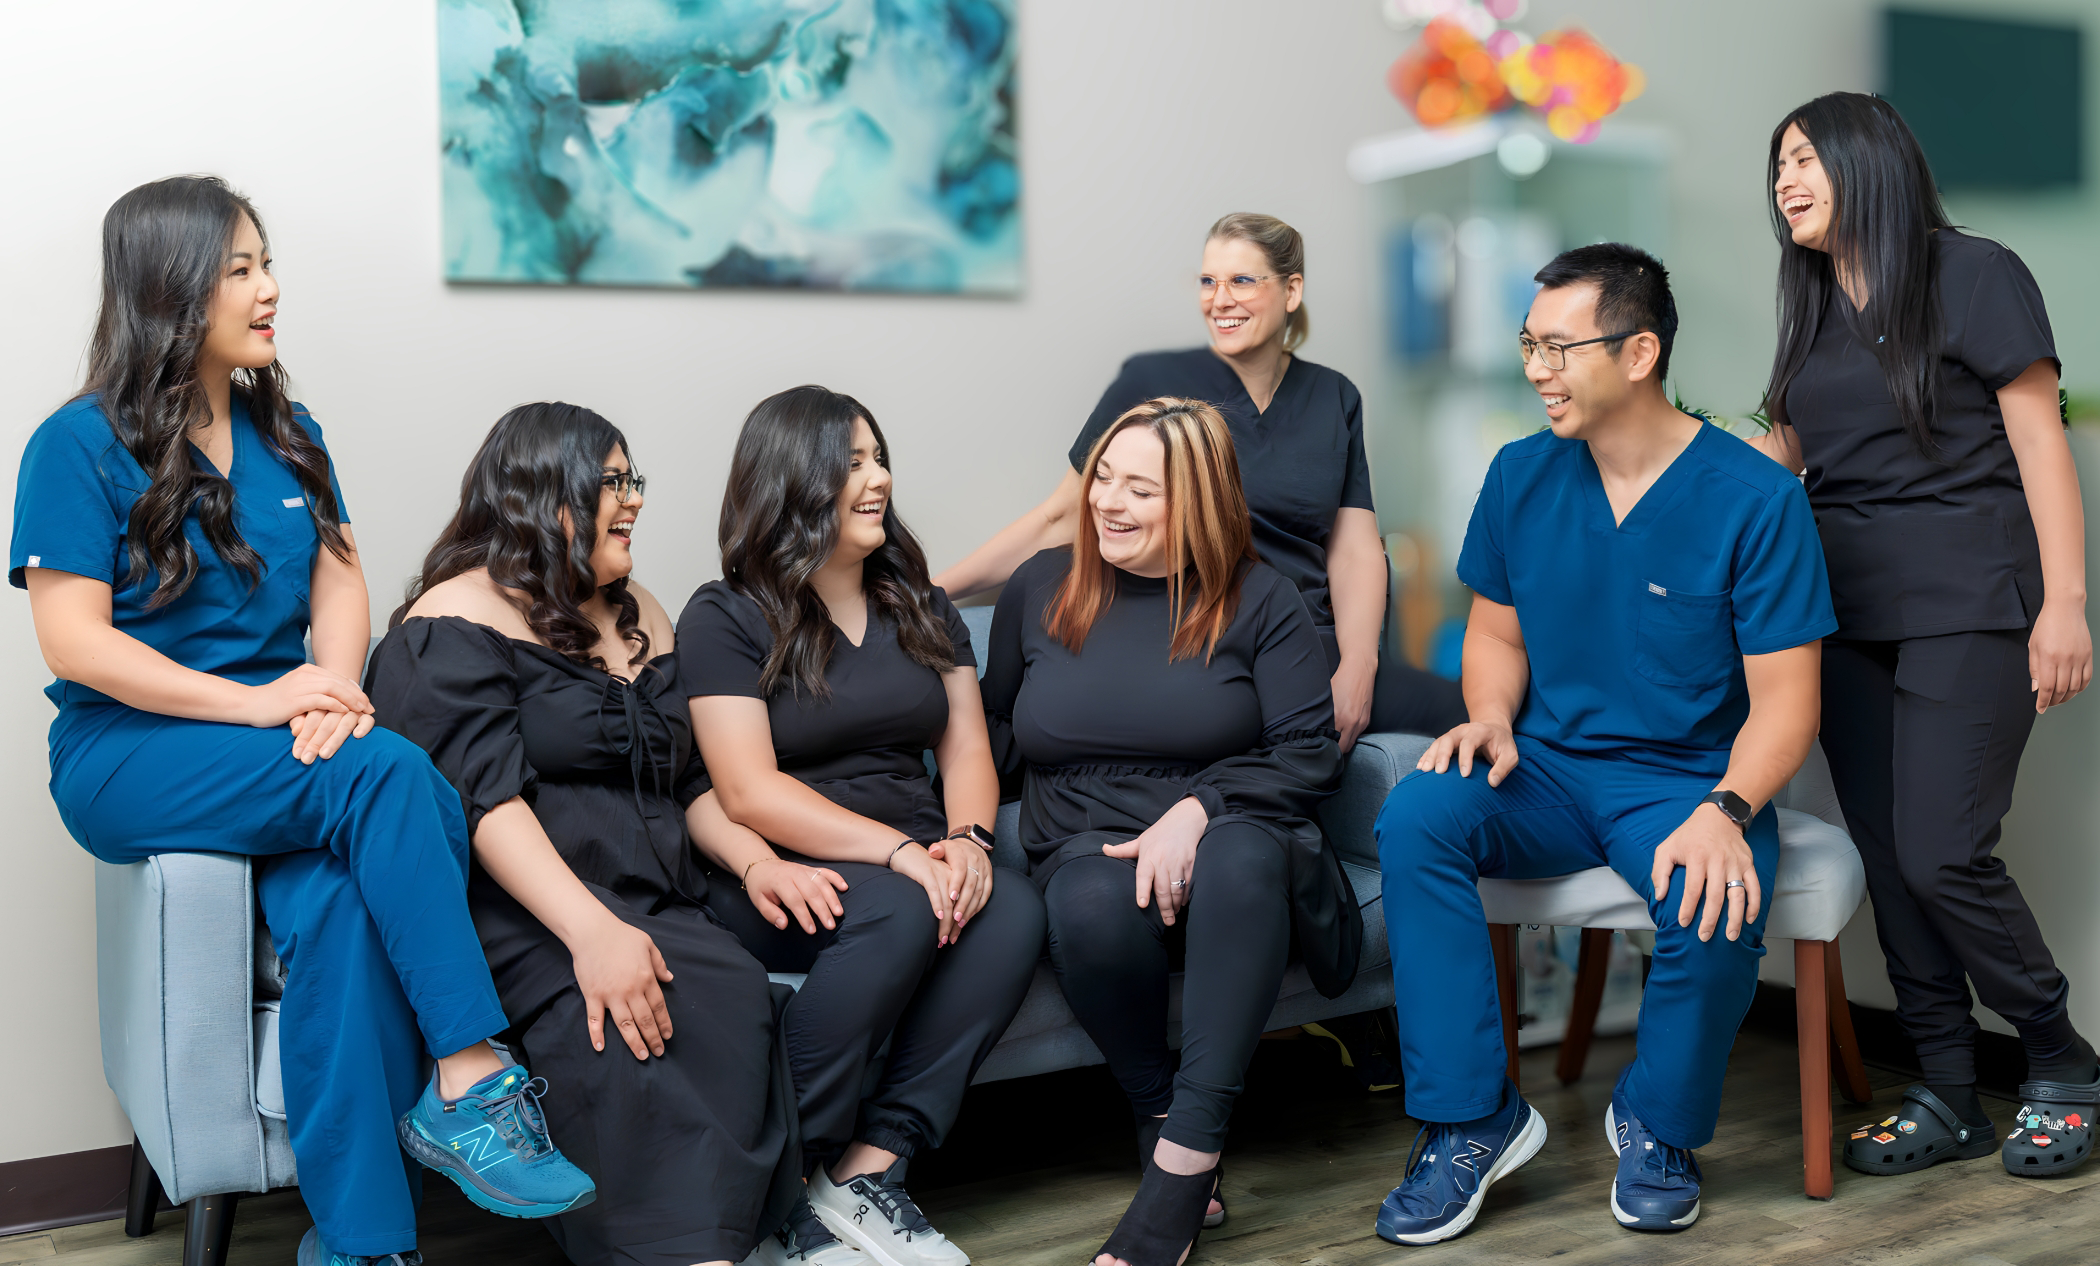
column 210, row 1230
column 142, row 1195
column 1591, row 965
column 1844, row 1045
column 1812, row 1019
column 1503, row 937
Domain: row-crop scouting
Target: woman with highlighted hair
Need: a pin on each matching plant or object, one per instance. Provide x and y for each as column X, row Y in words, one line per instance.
column 1166, row 695
column 1299, row 431
column 180, row 531
column 1916, row 386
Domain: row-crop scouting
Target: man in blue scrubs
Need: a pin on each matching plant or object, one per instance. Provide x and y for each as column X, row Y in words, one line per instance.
column 1642, row 676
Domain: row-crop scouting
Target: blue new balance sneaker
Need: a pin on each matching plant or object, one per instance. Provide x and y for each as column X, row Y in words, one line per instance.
column 1657, row 1186
column 1451, row 1167
column 314, row 1253
column 493, row 1142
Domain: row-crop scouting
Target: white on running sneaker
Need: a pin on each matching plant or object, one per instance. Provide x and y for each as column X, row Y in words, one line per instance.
column 804, row 1240
column 874, row 1214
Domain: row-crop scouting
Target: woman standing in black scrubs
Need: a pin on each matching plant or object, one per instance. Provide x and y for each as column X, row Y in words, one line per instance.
column 542, row 682
column 1168, row 696
column 820, row 670
column 1915, row 382
column 1300, row 435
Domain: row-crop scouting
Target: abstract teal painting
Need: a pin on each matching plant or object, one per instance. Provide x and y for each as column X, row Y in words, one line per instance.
column 826, row 144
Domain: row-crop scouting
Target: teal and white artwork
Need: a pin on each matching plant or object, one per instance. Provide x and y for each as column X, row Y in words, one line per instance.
column 827, row 144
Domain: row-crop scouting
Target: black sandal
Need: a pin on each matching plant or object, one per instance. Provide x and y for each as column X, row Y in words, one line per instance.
column 1163, row 1218
column 2053, row 1133
column 1924, row 1132
column 1148, row 1128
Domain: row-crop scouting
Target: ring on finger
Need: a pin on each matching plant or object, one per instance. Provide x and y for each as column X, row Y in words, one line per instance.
column 1734, row 883
column 1178, row 883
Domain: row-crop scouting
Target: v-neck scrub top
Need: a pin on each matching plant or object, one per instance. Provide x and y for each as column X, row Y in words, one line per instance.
column 1635, row 631
column 1919, row 547
column 864, row 747
column 73, row 512
column 1301, row 460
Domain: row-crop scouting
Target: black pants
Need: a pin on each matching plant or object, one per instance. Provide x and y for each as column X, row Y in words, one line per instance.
column 878, row 977
column 1113, row 960
column 1924, row 738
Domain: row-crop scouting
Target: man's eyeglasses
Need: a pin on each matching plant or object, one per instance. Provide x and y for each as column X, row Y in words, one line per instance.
column 1554, row 356
column 1233, row 286
column 624, row 483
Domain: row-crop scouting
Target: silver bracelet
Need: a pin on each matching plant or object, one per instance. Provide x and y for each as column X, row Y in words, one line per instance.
column 901, row 846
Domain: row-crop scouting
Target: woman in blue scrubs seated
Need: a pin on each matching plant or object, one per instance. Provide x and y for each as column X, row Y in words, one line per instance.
column 821, row 669
column 543, row 682
column 1298, row 428
column 1943, row 485
column 1641, row 672
column 180, row 532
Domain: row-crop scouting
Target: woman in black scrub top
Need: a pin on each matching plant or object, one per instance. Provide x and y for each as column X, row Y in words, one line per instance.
column 1915, row 383
column 1299, row 431
column 820, row 670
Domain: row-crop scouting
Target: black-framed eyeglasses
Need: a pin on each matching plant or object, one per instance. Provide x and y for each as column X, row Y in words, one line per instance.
column 623, row 483
column 1233, row 285
column 1554, row 356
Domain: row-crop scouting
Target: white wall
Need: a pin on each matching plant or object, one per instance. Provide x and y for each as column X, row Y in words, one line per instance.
column 1140, row 123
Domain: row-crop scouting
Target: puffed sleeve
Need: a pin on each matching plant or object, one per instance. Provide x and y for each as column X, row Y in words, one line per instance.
column 1481, row 565
column 958, row 631
column 73, row 496
column 1298, row 762
column 450, row 686
column 723, row 641
column 2007, row 326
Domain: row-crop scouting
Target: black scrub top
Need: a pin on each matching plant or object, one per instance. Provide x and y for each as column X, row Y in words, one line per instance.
column 1106, row 740
column 1301, row 460
column 864, row 747
column 1918, row 547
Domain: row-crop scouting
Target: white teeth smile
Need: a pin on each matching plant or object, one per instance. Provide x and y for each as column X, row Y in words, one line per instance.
column 1231, row 323
column 868, row 507
column 1792, row 205
column 1553, row 402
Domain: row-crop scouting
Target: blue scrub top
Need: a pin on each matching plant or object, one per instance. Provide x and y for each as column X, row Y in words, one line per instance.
column 72, row 508
column 1636, row 631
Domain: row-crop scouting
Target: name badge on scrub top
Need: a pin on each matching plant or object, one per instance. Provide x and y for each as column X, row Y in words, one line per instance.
column 293, row 503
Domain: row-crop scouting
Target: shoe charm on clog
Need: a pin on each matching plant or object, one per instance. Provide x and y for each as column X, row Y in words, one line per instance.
column 1884, row 1137
column 1908, row 1127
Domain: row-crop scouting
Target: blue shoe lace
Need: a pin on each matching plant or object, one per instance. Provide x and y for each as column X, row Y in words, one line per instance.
column 519, row 1119
column 1436, row 1139
column 1665, row 1169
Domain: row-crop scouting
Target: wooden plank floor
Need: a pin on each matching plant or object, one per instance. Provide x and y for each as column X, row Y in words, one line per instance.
column 1310, row 1158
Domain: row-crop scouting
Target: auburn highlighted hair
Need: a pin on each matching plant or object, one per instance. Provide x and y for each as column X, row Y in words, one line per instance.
column 1208, row 532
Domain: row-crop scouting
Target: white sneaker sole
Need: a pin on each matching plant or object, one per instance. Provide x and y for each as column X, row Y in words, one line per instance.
column 1611, row 1138
column 1528, row 1142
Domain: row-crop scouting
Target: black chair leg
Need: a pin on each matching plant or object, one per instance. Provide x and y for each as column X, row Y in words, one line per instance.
column 142, row 1197
column 210, row 1230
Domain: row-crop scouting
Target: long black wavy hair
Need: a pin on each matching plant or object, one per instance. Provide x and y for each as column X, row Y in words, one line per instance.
column 165, row 248
column 538, row 460
column 780, row 523
column 1884, row 209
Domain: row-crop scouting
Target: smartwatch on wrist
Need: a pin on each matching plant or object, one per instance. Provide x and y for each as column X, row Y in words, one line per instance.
column 975, row 834
column 1734, row 806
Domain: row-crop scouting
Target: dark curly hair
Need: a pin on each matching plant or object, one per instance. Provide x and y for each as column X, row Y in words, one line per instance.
column 780, row 523
column 165, row 247
column 538, row 460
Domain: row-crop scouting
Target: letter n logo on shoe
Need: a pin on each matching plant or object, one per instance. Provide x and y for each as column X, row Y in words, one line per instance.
column 481, row 1149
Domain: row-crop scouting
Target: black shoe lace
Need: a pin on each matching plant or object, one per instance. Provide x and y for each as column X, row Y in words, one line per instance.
column 894, row 1203
column 805, row 1233
column 519, row 1119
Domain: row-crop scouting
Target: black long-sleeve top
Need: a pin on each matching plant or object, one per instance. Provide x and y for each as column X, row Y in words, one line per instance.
column 1105, row 741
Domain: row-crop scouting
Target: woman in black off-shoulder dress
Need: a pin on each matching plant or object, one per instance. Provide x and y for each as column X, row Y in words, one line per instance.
column 573, row 765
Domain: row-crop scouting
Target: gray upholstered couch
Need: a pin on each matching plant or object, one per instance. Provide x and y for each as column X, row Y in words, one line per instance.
column 189, row 987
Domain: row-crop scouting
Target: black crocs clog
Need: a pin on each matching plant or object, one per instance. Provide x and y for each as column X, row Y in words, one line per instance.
column 1924, row 1132
column 2053, row 1133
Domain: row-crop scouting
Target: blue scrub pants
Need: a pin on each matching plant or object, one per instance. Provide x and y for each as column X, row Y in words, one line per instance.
column 361, row 867
column 1554, row 815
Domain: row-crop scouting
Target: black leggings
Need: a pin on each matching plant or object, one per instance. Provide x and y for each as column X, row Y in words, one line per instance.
column 1924, row 738
column 1113, row 960
column 877, row 977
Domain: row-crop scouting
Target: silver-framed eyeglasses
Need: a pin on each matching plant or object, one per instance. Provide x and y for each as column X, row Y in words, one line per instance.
column 1554, row 356
column 625, row 484
column 1233, row 286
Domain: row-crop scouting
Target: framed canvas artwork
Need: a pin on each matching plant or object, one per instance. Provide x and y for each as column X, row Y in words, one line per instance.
column 824, row 144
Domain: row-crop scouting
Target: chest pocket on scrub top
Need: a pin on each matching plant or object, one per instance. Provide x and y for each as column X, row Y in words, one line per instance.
column 1683, row 640
column 281, row 529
